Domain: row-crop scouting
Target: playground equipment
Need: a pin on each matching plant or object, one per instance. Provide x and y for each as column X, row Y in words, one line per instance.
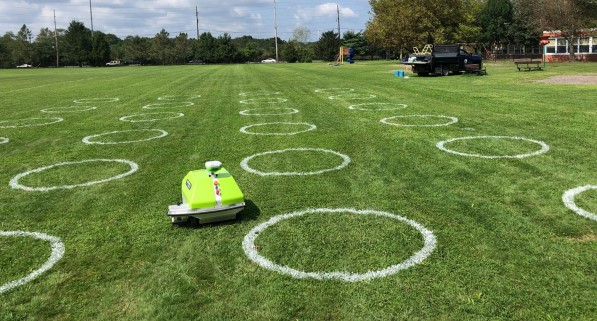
column 209, row 195
column 344, row 52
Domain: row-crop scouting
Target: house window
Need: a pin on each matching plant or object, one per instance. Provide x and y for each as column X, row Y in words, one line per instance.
column 594, row 46
column 583, row 45
column 550, row 48
column 561, row 47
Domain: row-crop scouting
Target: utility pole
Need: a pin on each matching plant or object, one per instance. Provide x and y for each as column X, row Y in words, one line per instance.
column 56, row 41
column 338, row 11
column 276, row 29
column 197, row 16
column 91, row 15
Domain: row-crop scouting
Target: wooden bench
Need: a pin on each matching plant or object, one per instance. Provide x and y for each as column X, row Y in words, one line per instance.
column 528, row 64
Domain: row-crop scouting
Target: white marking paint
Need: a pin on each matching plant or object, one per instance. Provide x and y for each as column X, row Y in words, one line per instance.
column 171, row 104
column 57, row 253
column 96, row 100
column 392, row 107
column 263, row 101
column 333, row 90
column 3, row 140
column 161, row 133
column 245, row 162
column 260, row 93
column 246, row 131
column 54, row 120
column 451, row 120
column 249, row 112
column 252, row 253
column 175, row 97
column 353, row 96
column 568, row 199
column 70, row 109
column 544, row 146
column 127, row 118
column 14, row 182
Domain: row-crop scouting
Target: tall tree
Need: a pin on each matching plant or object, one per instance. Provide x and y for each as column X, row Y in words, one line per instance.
column 328, row 46
column 496, row 20
column 301, row 35
column 136, row 49
column 206, row 48
column 183, row 48
column 44, row 53
column 100, row 53
column 77, row 43
column 226, row 52
column 23, row 47
column 161, row 47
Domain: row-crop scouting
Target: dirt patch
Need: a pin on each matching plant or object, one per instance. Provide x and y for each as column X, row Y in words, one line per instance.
column 571, row 80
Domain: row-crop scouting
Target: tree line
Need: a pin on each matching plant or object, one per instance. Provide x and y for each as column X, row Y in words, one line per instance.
column 403, row 24
column 79, row 46
column 395, row 27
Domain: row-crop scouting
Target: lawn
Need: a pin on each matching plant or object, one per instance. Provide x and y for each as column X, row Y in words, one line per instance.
column 360, row 219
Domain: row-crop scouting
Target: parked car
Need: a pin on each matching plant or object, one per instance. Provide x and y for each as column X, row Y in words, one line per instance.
column 268, row 61
column 114, row 63
column 196, row 62
column 24, row 66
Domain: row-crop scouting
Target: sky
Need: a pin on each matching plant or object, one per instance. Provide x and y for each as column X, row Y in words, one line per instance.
column 146, row 18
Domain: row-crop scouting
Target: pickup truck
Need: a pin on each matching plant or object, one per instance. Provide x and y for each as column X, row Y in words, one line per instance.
column 445, row 59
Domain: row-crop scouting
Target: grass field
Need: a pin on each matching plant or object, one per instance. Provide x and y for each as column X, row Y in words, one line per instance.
column 506, row 246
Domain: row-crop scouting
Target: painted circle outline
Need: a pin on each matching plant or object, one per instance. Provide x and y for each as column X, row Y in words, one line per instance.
column 453, row 120
column 4, row 140
column 47, row 110
column 355, row 96
column 14, row 182
column 96, row 100
column 245, row 94
column 544, row 147
column 57, row 120
column 430, row 242
column 292, row 111
column 353, row 107
column 57, row 252
column 177, row 104
column 568, row 199
column 244, row 164
column 335, row 89
column 125, row 118
column 163, row 133
column 256, row 101
column 174, row 97
column 311, row 127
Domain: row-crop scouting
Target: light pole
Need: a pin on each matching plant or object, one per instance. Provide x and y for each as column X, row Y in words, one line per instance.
column 276, row 30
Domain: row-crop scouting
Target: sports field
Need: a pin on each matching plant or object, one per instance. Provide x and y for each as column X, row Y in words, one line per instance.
column 369, row 196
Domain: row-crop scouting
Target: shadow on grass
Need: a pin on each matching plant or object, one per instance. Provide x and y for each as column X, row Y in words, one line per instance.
column 250, row 213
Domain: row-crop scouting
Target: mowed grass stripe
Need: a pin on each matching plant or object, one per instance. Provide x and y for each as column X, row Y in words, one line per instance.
column 507, row 247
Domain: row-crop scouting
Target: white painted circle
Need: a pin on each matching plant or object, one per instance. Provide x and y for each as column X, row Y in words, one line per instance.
column 245, row 162
column 260, row 93
column 246, row 131
column 14, row 182
column 57, row 248
column 70, row 109
column 53, row 121
column 333, row 90
column 353, row 96
column 250, row 112
column 544, row 146
column 263, row 101
column 95, row 100
column 451, row 120
column 392, row 107
column 568, row 199
column 175, row 97
column 3, row 140
column 161, row 133
column 171, row 116
column 171, row 104
column 251, row 252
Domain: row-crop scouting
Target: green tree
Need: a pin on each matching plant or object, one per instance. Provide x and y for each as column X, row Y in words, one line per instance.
column 183, row 48
column 161, row 47
column 6, row 57
column 291, row 52
column 496, row 20
column 100, row 53
column 207, row 48
column 226, row 52
column 136, row 49
column 44, row 48
column 327, row 46
column 77, row 43
column 23, row 49
column 356, row 41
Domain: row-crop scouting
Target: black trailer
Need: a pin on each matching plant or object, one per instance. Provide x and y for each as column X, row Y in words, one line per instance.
column 445, row 59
